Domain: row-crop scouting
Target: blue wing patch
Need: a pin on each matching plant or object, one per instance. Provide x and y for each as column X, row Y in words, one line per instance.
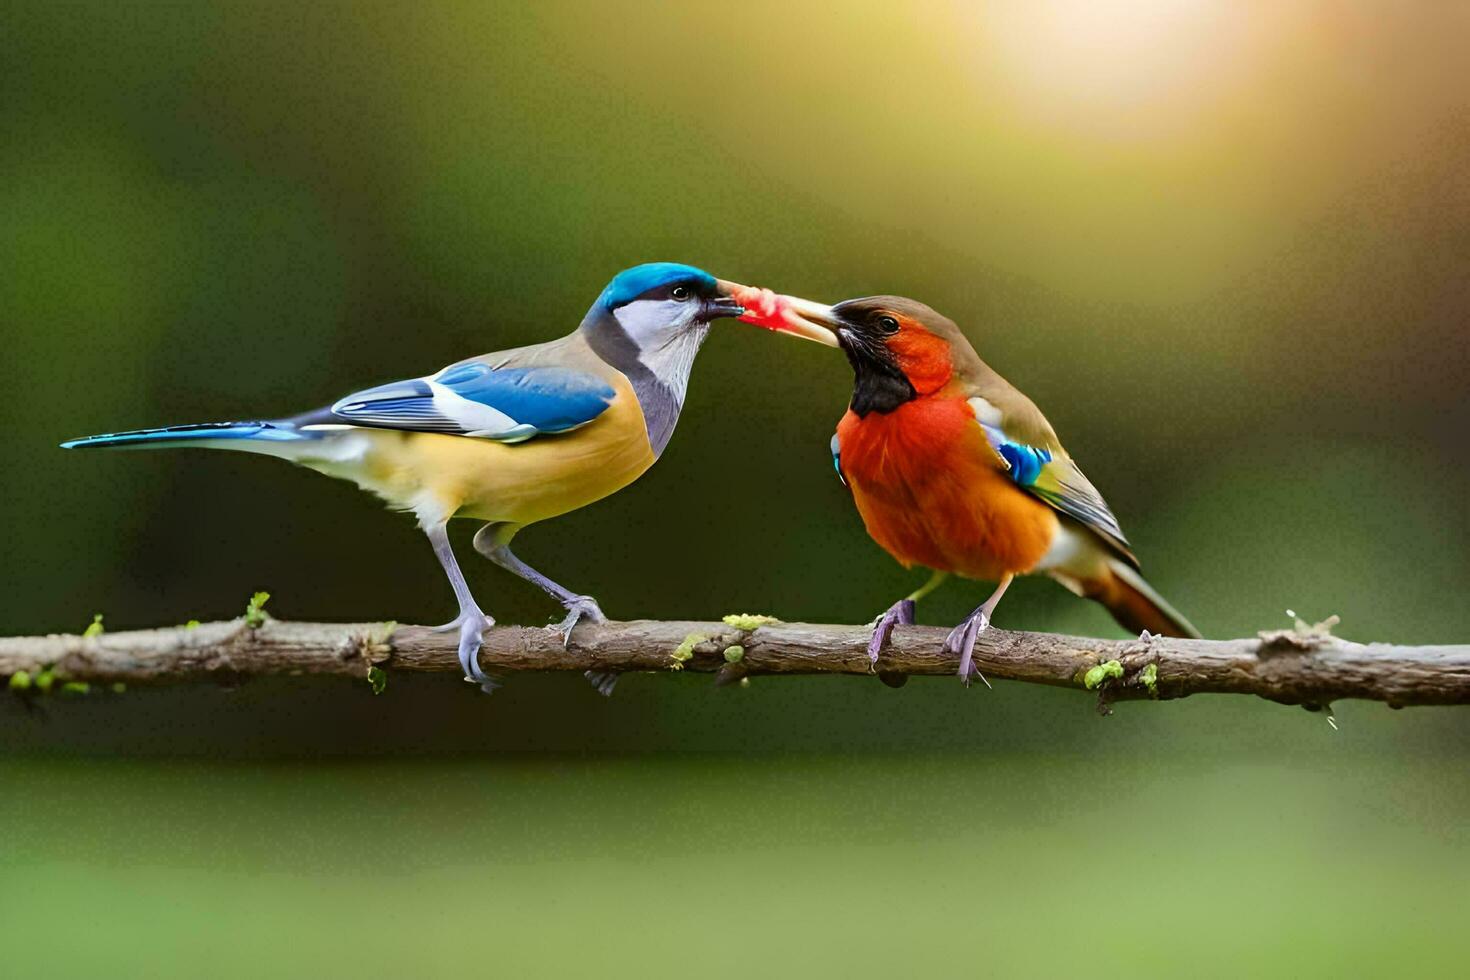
column 1023, row 463
column 550, row 399
column 1052, row 476
column 475, row 399
column 837, row 458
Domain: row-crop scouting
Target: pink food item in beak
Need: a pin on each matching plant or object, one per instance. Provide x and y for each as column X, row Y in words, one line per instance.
column 785, row 314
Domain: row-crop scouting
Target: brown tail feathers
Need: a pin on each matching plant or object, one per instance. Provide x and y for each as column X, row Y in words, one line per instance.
column 1134, row 603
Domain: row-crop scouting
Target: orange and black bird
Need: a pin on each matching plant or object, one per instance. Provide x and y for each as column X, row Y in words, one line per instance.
column 954, row 469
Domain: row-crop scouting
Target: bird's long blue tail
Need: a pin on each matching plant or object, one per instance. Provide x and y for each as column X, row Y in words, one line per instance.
column 198, row 434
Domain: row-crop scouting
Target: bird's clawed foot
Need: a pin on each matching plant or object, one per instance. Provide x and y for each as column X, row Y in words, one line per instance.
column 961, row 641
column 454, row 624
column 901, row 613
column 578, row 607
column 602, row 680
column 471, row 624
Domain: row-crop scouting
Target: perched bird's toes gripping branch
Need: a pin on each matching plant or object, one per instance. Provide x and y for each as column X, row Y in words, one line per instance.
column 507, row 438
column 1290, row 667
column 518, row 436
column 955, row 470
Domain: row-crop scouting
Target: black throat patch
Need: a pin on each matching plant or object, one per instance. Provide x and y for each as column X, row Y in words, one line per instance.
column 878, row 386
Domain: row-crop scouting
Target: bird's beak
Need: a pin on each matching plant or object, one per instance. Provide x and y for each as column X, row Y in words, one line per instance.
column 721, row 306
column 785, row 314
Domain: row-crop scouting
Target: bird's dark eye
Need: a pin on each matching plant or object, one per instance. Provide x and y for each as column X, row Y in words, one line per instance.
column 887, row 324
column 680, row 293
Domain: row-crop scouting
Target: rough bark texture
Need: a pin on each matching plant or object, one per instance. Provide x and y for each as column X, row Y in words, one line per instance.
column 1292, row 667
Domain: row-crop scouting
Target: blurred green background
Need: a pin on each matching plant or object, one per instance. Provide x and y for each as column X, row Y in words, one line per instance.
column 1222, row 244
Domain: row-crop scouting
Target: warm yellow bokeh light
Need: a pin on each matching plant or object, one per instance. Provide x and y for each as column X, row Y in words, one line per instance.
column 1121, row 70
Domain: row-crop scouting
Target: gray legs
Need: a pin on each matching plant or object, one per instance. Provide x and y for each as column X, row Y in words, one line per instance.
column 493, row 541
column 961, row 639
column 471, row 621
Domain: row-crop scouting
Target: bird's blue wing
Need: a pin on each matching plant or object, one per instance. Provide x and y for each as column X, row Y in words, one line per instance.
column 837, row 458
column 506, row 404
column 1053, row 477
column 1023, row 463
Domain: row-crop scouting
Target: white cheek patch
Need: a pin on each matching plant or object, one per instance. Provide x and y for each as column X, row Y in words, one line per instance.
column 673, row 362
column 653, row 323
column 667, row 335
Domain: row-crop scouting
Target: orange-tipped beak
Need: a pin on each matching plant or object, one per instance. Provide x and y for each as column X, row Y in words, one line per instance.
column 785, row 314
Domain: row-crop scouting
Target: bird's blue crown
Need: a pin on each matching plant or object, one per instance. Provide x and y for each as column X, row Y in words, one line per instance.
column 629, row 284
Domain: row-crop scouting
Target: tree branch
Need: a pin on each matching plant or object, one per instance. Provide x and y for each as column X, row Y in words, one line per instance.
column 1292, row 667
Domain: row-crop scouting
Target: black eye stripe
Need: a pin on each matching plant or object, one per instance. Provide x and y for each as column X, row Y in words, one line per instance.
column 863, row 318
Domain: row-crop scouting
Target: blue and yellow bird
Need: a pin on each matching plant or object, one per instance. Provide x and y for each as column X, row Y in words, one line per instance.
column 508, row 438
column 953, row 469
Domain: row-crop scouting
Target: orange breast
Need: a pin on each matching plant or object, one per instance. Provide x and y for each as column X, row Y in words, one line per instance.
column 932, row 492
